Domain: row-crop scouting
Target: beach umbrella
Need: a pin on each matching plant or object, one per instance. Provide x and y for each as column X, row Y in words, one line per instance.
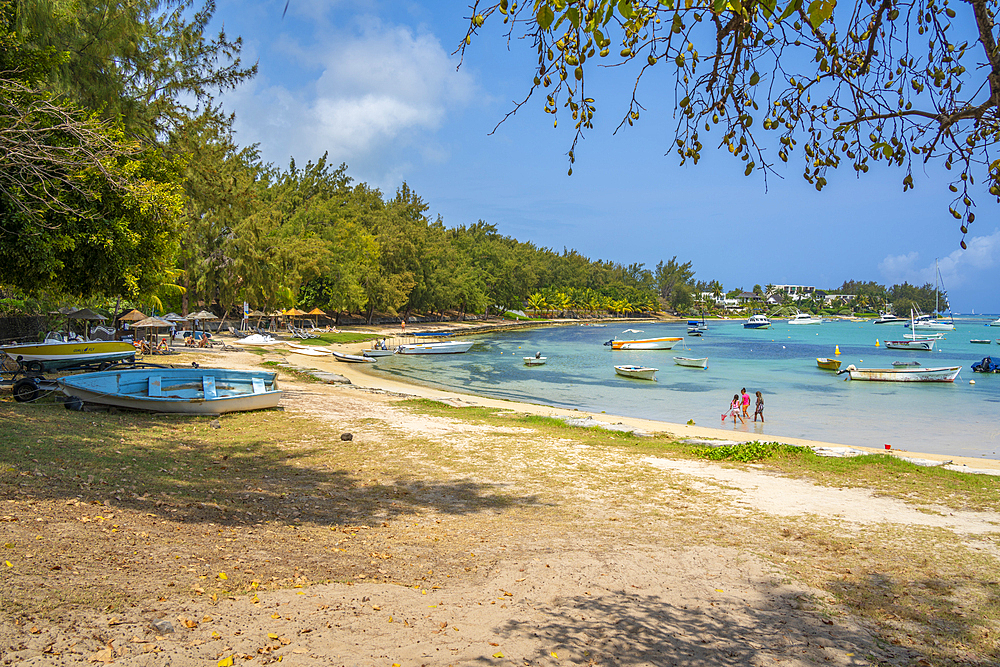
column 132, row 316
column 152, row 323
column 88, row 316
column 317, row 313
column 293, row 313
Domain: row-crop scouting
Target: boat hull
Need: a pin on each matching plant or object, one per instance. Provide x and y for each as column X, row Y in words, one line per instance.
column 353, row 358
column 647, row 344
column 208, row 391
column 636, row 372
column 53, row 356
column 450, row 347
column 904, row 374
column 691, row 363
column 378, row 353
column 828, row 364
column 535, row 361
column 920, row 344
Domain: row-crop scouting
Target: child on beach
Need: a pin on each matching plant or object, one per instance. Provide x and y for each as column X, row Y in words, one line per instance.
column 745, row 401
column 734, row 410
column 760, row 408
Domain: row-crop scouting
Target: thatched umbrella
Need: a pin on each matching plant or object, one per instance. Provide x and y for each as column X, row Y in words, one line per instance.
column 132, row 316
column 318, row 313
column 201, row 316
column 88, row 316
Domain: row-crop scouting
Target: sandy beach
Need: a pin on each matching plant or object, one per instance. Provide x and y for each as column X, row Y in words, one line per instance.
column 451, row 543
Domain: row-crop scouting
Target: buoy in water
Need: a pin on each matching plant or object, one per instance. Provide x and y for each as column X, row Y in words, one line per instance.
column 972, row 382
column 876, row 342
column 836, row 350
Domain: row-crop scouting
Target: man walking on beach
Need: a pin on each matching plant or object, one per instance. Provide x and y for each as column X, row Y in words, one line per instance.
column 745, row 400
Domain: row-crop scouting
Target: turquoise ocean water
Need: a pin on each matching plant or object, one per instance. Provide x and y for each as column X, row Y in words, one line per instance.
column 955, row 419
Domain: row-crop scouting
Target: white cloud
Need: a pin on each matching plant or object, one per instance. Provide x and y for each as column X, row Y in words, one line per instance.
column 956, row 269
column 380, row 88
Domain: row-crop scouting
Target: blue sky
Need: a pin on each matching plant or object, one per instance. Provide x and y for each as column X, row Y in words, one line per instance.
column 374, row 84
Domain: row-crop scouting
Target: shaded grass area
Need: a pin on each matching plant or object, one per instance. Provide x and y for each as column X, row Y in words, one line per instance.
column 886, row 474
column 340, row 337
column 102, row 509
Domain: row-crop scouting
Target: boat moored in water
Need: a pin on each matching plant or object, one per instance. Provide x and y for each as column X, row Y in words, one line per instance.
column 903, row 374
column 757, row 322
column 645, row 344
column 924, row 344
column 637, row 372
column 805, row 318
column 828, row 364
column 446, row 347
column 691, row 363
column 210, row 391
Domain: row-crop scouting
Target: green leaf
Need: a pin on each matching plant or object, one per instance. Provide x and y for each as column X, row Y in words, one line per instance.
column 625, row 9
column 544, row 17
column 793, row 6
column 718, row 6
column 573, row 14
column 820, row 11
column 754, row 79
column 768, row 6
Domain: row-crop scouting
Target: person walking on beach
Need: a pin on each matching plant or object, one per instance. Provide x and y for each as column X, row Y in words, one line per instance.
column 760, row 408
column 745, row 402
column 734, row 410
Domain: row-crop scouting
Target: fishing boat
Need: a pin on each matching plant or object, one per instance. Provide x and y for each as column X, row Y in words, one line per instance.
column 210, row 391
column 757, row 322
column 828, row 364
column 637, row 372
column 645, row 344
column 54, row 355
column 805, row 318
column 903, row 374
column 446, row 347
column 698, row 325
column 981, row 341
column 925, row 344
column 698, row 333
column 352, row 358
column 535, row 361
column 691, row 363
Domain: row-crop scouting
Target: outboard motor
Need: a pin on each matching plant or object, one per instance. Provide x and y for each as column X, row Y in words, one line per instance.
column 987, row 365
column 608, row 344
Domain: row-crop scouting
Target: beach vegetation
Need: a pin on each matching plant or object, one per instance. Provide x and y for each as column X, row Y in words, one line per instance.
column 750, row 452
column 852, row 85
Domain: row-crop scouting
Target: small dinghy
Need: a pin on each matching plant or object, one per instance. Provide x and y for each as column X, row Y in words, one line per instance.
column 204, row 391
column 353, row 358
column 828, row 364
column 535, row 361
column 376, row 352
column 691, row 363
column 637, row 372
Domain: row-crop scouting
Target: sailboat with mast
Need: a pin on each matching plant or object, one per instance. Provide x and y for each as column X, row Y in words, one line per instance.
column 934, row 322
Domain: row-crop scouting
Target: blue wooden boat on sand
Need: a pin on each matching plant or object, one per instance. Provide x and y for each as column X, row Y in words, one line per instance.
column 203, row 391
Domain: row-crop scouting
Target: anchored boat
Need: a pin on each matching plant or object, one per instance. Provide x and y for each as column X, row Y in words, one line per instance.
column 637, row 372
column 447, row 347
column 904, row 374
column 210, row 391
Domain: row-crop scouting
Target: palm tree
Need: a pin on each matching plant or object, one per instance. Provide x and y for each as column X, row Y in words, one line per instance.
column 536, row 302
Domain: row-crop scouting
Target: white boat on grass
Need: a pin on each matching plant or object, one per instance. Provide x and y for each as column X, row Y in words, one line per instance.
column 352, row 358
column 447, row 347
column 637, row 372
column 925, row 344
column 645, row 344
column 904, row 374
column 210, row 391
column 805, row 318
column 691, row 363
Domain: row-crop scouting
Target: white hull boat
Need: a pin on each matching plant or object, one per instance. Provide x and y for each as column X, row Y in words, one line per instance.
column 447, row 347
column 208, row 391
column 352, row 358
column 377, row 352
column 804, row 318
column 886, row 318
column 637, row 372
column 535, row 361
column 924, row 344
column 691, row 363
column 995, row 323
column 904, row 374
column 646, row 344
column 757, row 322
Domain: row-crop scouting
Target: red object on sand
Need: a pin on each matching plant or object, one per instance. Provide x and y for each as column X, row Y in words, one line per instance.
column 888, row 446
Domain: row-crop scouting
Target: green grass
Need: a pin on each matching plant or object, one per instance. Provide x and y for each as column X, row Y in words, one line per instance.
column 341, row 337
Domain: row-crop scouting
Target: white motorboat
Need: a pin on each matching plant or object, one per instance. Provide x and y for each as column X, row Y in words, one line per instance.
column 995, row 323
column 447, row 347
column 904, row 374
column 889, row 318
column 757, row 322
column 805, row 318
column 637, row 372
column 645, row 344
column 535, row 361
column 938, row 335
column 691, row 363
column 352, row 358
column 925, row 344
column 378, row 352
